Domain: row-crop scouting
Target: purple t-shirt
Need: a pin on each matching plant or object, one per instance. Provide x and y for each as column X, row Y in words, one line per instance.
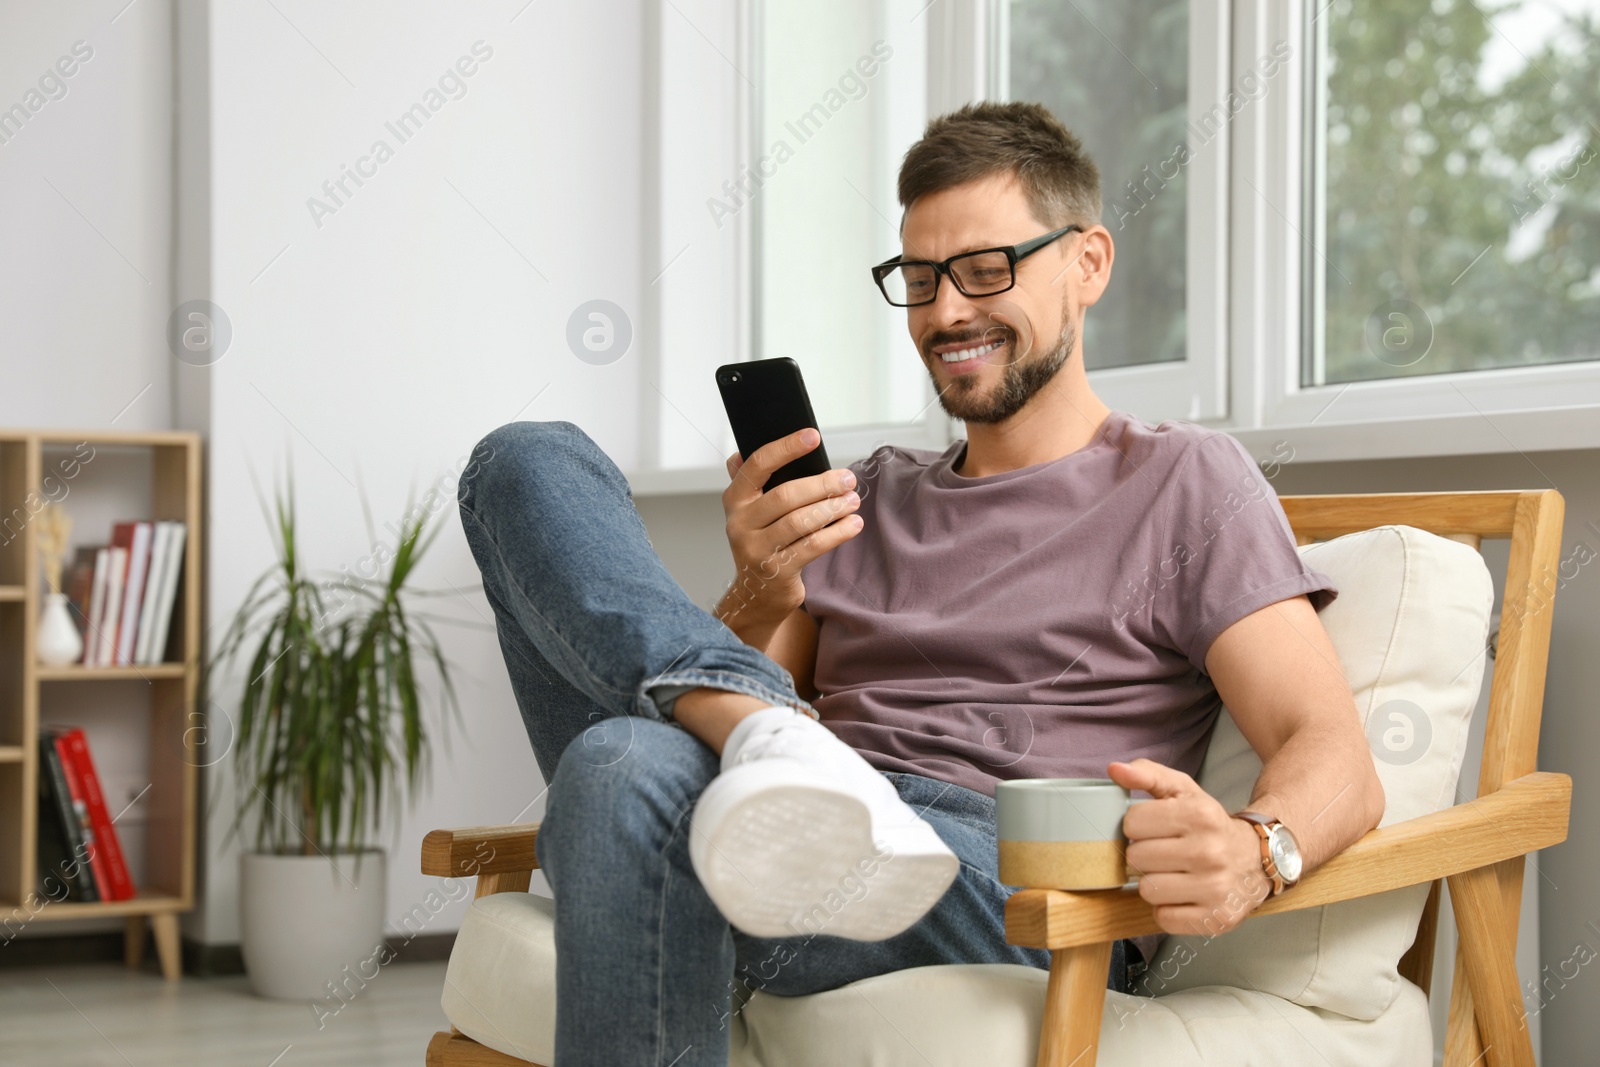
column 1042, row 622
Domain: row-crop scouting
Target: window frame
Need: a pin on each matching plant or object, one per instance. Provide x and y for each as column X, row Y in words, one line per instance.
column 931, row 428
column 1271, row 319
column 1197, row 388
column 1458, row 412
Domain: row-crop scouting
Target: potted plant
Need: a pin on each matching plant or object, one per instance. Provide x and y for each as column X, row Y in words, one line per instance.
column 330, row 731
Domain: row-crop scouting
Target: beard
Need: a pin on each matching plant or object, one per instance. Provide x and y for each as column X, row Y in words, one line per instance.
column 1021, row 379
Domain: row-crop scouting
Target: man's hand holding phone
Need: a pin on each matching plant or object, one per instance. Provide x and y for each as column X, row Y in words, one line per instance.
column 774, row 534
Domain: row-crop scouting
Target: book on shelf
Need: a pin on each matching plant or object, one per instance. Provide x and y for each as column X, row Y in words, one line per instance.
column 125, row 605
column 147, row 609
column 59, row 827
column 55, row 874
column 106, row 860
column 111, row 610
column 167, row 594
column 135, row 537
column 97, row 605
column 79, row 801
column 80, row 588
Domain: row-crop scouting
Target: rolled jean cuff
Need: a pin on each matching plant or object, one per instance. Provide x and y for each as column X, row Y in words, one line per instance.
column 656, row 696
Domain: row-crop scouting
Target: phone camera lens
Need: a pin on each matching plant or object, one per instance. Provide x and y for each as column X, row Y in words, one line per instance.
column 733, row 377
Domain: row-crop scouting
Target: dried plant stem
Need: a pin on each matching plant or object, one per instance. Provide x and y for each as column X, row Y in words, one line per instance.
column 55, row 526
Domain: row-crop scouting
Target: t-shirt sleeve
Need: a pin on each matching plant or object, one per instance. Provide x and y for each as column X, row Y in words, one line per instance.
column 1228, row 549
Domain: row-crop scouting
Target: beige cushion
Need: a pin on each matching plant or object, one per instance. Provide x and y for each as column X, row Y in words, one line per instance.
column 961, row 1015
column 1411, row 626
column 500, row 991
column 1410, row 623
column 500, row 984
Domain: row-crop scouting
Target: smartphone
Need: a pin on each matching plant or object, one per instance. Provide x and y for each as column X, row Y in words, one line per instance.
column 765, row 400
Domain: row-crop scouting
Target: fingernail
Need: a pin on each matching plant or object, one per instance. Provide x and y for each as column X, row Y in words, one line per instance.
column 848, row 479
column 851, row 500
column 809, row 436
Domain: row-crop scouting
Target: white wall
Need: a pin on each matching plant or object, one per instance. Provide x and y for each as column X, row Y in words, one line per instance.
column 383, row 340
column 430, row 307
column 84, row 262
column 85, row 285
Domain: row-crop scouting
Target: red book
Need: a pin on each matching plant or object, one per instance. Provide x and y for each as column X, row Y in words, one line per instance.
column 105, row 856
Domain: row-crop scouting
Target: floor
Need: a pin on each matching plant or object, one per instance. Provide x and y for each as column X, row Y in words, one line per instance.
column 90, row 1015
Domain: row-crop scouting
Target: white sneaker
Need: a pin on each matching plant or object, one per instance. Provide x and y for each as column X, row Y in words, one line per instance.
column 800, row 835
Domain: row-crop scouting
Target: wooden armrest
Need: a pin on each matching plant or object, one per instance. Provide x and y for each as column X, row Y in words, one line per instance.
column 1524, row 815
column 478, row 850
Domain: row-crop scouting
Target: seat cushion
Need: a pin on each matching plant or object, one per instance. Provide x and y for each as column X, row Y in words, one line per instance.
column 1411, row 627
column 500, row 984
column 500, row 991
column 958, row 1015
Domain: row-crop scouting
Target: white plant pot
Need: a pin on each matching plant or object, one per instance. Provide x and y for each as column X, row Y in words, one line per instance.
column 57, row 642
column 311, row 925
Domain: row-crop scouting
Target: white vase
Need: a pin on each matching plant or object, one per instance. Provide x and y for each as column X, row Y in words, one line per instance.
column 311, row 927
column 57, row 642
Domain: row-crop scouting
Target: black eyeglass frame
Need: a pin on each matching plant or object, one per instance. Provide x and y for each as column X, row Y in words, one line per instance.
column 1014, row 255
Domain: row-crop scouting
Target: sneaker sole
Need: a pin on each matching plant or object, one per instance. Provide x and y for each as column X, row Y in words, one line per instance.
column 782, row 854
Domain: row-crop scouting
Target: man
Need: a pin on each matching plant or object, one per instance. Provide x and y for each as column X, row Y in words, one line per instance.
column 1068, row 592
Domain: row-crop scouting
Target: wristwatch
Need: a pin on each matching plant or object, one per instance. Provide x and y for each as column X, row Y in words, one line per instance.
column 1280, row 854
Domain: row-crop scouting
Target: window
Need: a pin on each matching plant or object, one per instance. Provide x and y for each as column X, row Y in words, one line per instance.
column 1117, row 73
column 1142, row 83
column 842, row 94
column 1358, row 227
column 1352, row 169
column 1458, row 218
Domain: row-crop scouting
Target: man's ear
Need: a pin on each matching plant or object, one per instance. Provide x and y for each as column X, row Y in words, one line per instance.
column 1088, row 263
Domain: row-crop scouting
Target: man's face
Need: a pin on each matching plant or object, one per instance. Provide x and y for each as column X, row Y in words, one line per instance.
column 1003, row 348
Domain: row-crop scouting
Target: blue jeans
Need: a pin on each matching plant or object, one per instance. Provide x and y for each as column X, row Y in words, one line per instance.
column 599, row 640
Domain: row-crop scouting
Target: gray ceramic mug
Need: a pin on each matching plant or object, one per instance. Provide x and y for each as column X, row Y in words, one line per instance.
column 1062, row 833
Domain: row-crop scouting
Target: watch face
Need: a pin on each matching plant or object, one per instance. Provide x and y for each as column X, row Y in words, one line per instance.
column 1285, row 854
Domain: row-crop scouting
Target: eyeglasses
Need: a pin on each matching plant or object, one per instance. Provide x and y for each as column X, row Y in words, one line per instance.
column 913, row 282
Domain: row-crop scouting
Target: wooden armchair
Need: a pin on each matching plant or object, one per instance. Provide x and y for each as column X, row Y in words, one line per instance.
column 1477, row 846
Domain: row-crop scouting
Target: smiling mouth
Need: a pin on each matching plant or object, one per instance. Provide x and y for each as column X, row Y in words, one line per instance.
column 971, row 352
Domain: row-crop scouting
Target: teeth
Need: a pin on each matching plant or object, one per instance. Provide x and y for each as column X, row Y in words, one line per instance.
column 968, row 353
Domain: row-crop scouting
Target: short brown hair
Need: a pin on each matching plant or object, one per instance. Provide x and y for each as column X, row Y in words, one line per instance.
column 1061, row 182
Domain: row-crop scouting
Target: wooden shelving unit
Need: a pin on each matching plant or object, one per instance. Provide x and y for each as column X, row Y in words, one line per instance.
column 165, row 878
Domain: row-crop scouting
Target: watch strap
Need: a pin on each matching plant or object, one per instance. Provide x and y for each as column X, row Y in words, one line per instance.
column 1263, row 825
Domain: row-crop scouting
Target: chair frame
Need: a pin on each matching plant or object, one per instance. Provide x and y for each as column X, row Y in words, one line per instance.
column 1478, row 847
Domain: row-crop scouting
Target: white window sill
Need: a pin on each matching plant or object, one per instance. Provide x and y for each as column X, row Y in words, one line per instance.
column 678, row 482
column 688, row 480
column 1461, row 434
